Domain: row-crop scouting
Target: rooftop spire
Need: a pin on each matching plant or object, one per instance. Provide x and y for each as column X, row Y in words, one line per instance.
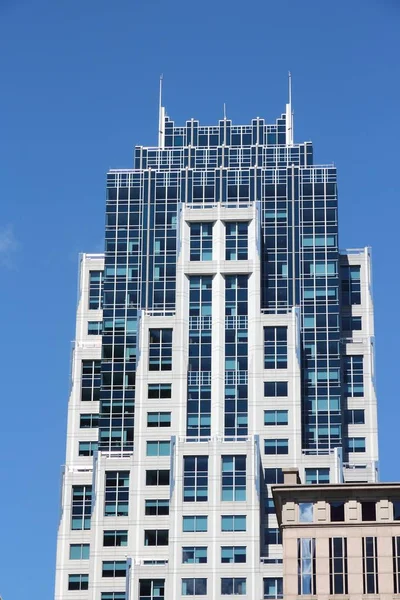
column 161, row 117
column 289, row 115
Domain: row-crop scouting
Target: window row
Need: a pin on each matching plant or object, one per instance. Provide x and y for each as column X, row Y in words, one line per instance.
column 201, row 241
column 338, row 565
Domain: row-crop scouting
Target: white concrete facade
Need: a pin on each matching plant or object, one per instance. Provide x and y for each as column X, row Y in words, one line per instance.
column 164, row 562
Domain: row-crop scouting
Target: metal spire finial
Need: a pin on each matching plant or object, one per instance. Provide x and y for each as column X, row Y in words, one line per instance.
column 161, row 116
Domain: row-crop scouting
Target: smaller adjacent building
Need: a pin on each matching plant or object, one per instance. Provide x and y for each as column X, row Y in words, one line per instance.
column 339, row 541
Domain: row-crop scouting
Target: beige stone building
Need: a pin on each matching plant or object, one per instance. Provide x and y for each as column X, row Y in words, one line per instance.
column 339, row 540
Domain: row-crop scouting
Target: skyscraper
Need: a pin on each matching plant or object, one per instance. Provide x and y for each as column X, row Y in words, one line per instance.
column 221, row 337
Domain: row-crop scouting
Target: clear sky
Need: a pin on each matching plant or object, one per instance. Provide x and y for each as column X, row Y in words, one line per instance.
column 79, row 88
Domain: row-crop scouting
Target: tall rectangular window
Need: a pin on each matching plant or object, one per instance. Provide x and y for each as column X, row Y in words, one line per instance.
column 306, row 566
column 116, row 494
column 95, row 290
column 160, row 349
column 201, row 241
column 273, row 588
column 81, row 506
column 233, row 478
column 396, row 564
column 351, row 284
column 353, row 374
column 275, row 348
column 370, row 565
column 151, row 589
column 91, row 380
column 236, row 241
column 338, row 575
column 195, row 478
column 200, row 349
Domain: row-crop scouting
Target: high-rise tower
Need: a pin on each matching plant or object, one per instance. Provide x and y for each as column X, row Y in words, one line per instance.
column 221, row 337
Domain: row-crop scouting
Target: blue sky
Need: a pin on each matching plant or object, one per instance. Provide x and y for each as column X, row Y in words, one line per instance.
column 79, row 89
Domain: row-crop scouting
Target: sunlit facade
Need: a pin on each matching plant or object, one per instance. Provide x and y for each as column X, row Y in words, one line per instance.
column 221, row 337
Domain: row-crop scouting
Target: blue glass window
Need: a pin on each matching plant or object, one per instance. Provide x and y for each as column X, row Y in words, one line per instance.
column 78, row 582
column 95, row 290
column 201, row 241
column 156, row 507
column 273, row 588
column 88, row 448
column 353, row 375
column 81, row 506
column 156, row 537
column 195, row 478
column 276, row 446
column 275, row 348
column 233, row 554
column 275, row 417
column 91, row 380
column 318, row 475
column 273, row 389
column 194, row 586
column 151, row 589
column 351, row 284
column 273, row 475
column 233, row 586
column 306, row 566
column 338, row 576
column 115, row 538
column 236, row 241
column 195, row 523
column 95, row 327
column 158, row 419
column 272, row 535
column 116, row 494
column 158, row 448
column 233, row 478
column 160, row 349
column 355, row 416
column 114, row 568
column 356, row 444
column 79, row 551
column 233, row 523
column 194, row 554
